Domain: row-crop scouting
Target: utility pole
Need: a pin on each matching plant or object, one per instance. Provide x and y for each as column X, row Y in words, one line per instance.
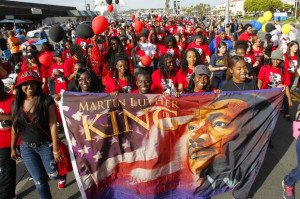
column 226, row 12
column 296, row 6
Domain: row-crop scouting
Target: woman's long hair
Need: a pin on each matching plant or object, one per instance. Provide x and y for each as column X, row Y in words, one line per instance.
column 95, row 83
column 111, row 54
column 297, row 53
column 191, row 86
column 130, row 79
column 226, row 56
column 163, row 63
column 40, row 114
column 184, row 62
column 76, row 50
column 29, row 66
column 170, row 38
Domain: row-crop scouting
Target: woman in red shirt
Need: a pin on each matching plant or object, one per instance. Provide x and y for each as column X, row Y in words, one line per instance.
column 33, row 63
column 171, row 48
column 164, row 79
column 189, row 61
column 158, row 44
column 67, row 53
column 259, row 54
column 181, row 42
column 122, row 81
column 274, row 76
column 292, row 59
column 114, row 49
column 8, row 165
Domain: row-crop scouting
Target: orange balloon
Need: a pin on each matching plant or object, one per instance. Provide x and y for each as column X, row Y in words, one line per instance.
column 132, row 16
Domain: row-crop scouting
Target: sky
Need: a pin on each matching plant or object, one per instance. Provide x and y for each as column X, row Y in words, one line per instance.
column 131, row 4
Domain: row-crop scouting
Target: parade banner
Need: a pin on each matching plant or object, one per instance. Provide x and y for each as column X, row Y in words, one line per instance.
column 152, row 146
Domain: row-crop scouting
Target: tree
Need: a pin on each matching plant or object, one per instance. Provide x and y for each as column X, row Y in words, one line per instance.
column 262, row 5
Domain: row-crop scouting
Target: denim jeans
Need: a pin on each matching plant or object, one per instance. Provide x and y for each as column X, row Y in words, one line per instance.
column 7, row 174
column 294, row 175
column 218, row 83
column 39, row 161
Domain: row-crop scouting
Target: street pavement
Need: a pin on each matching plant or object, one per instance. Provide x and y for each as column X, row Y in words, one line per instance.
column 279, row 161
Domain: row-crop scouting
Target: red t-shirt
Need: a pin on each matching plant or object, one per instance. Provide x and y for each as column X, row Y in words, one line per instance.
column 251, row 59
column 172, row 51
column 184, row 78
column 291, row 65
column 60, row 82
column 246, row 36
column 161, row 85
column 83, row 43
column 202, row 49
column 122, row 85
column 128, row 48
column 69, row 66
column 259, row 56
column 66, row 54
column 5, row 126
column 272, row 77
column 171, row 29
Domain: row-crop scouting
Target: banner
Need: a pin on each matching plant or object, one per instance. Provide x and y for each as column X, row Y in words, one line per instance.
column 151, row 146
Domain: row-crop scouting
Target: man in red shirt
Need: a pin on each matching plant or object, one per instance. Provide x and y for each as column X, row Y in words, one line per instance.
column 247, row 35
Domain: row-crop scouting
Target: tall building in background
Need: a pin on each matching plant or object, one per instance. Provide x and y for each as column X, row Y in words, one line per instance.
column 101, row 6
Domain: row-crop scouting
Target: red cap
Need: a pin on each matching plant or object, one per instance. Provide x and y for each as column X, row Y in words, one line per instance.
column 28, row 75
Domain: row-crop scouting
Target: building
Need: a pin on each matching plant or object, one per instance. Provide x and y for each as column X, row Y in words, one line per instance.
column 101, row 7
column 236, row 8
column 35, row 12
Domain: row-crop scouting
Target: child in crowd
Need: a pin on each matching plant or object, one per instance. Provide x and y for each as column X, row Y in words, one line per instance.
column 57, row 72
column 218, row 65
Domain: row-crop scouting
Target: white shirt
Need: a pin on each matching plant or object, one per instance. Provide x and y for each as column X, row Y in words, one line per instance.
column 149, row 50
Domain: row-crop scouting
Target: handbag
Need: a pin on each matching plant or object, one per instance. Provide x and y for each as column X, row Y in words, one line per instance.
column 296, row 125
column 64, row 166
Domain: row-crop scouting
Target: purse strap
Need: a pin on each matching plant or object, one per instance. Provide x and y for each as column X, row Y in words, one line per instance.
column 38, row 125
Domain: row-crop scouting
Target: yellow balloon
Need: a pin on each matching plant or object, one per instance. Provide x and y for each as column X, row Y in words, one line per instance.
column 268, row 16
column 286, row 28
column 264, row 27
column 261, row 20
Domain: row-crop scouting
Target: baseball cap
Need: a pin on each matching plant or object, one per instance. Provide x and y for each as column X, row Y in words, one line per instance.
column 202, row 70
column 57, row 53
column 28, row 75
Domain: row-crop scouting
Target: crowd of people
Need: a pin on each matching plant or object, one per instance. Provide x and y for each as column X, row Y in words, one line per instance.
column 187, row 56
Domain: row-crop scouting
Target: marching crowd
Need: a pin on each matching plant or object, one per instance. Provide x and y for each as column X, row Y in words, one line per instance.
column 187, row 56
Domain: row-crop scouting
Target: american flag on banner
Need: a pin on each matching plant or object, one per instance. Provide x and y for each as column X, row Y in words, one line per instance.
column 151, row 146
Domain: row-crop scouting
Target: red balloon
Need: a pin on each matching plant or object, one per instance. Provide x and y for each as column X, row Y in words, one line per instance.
column 110, row 8
column 156, row 16
column 158, row 19
column 99, row 24
column 46, row 60
column 146, row 60
column 132, row 16
column 167, row 14
column 138, row 26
